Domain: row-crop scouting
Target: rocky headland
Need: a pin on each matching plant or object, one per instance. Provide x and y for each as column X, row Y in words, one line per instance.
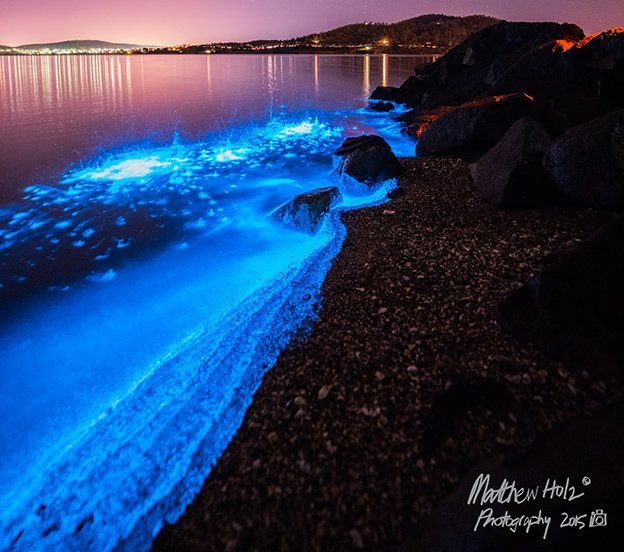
column 473, row 324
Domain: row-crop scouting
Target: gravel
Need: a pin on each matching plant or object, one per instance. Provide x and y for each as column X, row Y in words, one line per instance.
column 404, row 383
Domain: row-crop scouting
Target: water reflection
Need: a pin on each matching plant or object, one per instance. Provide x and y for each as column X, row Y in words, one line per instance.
column 384, row 70
column 316, row 75
column 57, row 110
column 366, row 82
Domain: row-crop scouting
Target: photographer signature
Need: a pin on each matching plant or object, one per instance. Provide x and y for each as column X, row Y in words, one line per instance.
column 509, row 492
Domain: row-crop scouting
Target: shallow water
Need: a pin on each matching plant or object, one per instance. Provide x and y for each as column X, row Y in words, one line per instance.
column 144, row 290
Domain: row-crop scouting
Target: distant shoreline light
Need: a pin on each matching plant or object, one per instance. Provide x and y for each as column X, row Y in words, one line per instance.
column 380, row 48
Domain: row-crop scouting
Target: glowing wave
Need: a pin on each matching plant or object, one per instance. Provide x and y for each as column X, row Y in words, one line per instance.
column 120, row 393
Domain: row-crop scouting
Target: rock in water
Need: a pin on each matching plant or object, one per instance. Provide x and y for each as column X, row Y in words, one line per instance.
column 586, row 164
column 473, row 128
column 305, row 212
column 381, row 107
column 574, row 309
column 385, row 93
column 510, row 175
column 368, row 159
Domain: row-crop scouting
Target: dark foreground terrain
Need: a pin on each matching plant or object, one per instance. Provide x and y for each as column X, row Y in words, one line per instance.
column 368, row 433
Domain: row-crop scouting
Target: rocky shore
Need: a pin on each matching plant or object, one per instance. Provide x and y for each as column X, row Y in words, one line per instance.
column 405, row 383
column 471, row 325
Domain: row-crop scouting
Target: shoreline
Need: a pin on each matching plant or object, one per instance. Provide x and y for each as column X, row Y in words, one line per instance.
column 405, row 382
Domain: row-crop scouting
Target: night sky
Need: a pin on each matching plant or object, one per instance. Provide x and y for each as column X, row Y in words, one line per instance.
column 157, row 22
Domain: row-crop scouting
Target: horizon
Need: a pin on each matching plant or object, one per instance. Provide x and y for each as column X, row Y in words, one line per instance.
column 23, row 25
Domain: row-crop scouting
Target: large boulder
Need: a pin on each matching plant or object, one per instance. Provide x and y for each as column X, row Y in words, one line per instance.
column 471, row 69
column 586, row 164
column 574, row 309
column 510, row 175
column 603, row 51
column 368, row 159
column 411, row 92
column 305, row 212
column 417, row 120
column 475, row 127
column 598, row 87
column 541, row 71
column 385, row 94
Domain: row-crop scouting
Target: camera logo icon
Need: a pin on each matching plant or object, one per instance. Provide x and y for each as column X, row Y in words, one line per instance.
column 598, row 518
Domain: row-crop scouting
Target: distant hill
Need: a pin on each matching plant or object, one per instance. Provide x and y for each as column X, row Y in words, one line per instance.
column 434, row 33
column 443, row 30
column 79, row 45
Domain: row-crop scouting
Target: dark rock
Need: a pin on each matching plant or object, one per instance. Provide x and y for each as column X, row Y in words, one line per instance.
column 598, row 86
column 417, row 121
column 411, row 92
column 385, row 93
column 586, row 164
column 305, row 212
column 603, row 51
column 475, row 127
column 510, row 175
column 487, row 59
column 589, row 97
column 381, row 107
column 574, row 309
column 540, row 71
column 368, row 159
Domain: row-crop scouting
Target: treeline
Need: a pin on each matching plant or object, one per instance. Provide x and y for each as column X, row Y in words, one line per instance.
column 441, row 30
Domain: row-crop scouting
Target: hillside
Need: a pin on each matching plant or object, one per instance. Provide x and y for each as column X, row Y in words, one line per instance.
column 434, row 33
column 79, row 45
column 443, row 30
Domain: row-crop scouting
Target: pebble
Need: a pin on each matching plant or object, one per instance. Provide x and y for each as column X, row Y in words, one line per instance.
column 323, row 392
column 356, row 539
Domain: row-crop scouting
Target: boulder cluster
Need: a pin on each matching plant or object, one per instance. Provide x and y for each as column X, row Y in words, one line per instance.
column 568, row 88
column 538, row 110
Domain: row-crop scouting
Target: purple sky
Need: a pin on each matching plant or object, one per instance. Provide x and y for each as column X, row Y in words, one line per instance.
column 197, row 21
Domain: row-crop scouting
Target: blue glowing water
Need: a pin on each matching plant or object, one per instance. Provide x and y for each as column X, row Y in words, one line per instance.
column 147, row 293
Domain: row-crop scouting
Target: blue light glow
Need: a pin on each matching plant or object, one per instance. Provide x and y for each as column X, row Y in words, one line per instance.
column 169, row 294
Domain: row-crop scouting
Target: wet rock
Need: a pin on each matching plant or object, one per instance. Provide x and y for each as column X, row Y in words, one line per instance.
column 305, row 212
column 574, row 309
column 586, row 164
column 510, row 175
column 368, row 159
column 381, row 107
column 475, row 127
column 411, row 92
column 385, row 93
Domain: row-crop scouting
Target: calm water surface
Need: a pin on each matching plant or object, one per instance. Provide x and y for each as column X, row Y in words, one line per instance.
column 57, row 110
column 144, row 290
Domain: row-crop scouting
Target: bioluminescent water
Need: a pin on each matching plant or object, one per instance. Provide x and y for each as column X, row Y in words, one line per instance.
column 145, row 292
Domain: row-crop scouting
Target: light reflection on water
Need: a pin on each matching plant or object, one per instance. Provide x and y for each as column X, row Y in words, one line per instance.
column 164, row 291
column 55, row 110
